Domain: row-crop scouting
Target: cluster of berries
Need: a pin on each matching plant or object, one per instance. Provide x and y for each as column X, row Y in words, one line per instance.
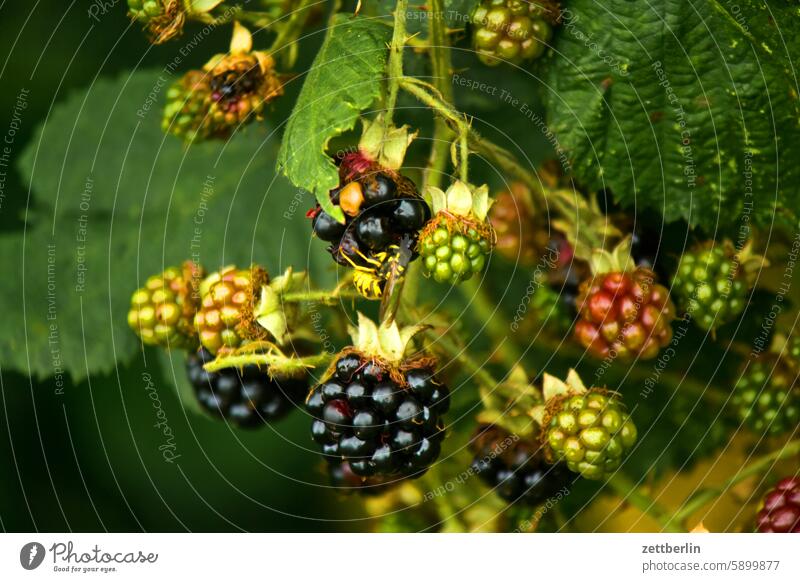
column 177, row 310
column 383, row 215
column 513, row 30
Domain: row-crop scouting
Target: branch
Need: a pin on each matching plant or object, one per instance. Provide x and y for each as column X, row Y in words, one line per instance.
column 703, row 496
column 394, row 69
column 626, row 489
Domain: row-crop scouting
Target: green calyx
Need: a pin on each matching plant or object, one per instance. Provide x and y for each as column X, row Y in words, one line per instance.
column 509, row 404
column 618, row 260
column 278, row 317
column 384, row 143
column 387, row 342
column 460, row 200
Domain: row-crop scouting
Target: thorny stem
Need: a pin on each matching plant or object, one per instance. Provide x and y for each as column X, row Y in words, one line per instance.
column 626, row 489
column 275, row 363
column 320, row 296
column 394, row 68
column 704, row 496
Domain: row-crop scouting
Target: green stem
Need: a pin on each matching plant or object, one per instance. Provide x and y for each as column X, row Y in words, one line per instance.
column 290, row 31
column 440, row 69
column 276, row 363
column 320, row 296
column 564, row 201
column 626, row 489
column 704, row 496
column 486, row 311
column 394, row 69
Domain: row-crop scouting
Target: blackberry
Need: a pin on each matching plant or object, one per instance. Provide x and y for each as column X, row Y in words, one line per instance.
column 624, row 314
column 512, row 30
column 515, row 468
column 379, row 426
column 226, row 94
column 567, row 273
column 225, row 319
column 456, row 243
column 377, row 411
column 383, row 211
column 162, row 311
column 710, row 286
column 589, row 430
column 780, row 508
column 766, row 396
column 248, row 398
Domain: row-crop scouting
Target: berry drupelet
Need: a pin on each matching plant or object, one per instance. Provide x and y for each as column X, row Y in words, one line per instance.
column 624, row 314
column 225, row 319
column 457, row 242
column 711, row 284
column 587, row 429
column 383, row 212
column 229, row 92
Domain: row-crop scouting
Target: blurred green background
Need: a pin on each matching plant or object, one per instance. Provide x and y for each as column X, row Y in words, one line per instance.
column 89, row 459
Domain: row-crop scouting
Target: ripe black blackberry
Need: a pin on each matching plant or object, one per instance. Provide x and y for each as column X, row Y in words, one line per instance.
column 381, row 208
column 248, row 398
column 377, row 411
column 515, row 468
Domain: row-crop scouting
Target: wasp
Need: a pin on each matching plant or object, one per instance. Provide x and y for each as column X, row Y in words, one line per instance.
column 377, row 277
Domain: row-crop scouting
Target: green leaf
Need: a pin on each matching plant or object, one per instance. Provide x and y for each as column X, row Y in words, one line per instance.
column 344, row 80
column 115, row 200
column 681, row 106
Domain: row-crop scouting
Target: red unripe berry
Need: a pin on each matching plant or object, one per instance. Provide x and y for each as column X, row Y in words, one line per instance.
column 625, row 315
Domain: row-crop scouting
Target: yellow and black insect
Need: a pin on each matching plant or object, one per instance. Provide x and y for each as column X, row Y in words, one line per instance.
column 381, row 272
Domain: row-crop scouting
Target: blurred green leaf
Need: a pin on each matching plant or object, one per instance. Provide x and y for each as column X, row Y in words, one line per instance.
column 115, row 201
